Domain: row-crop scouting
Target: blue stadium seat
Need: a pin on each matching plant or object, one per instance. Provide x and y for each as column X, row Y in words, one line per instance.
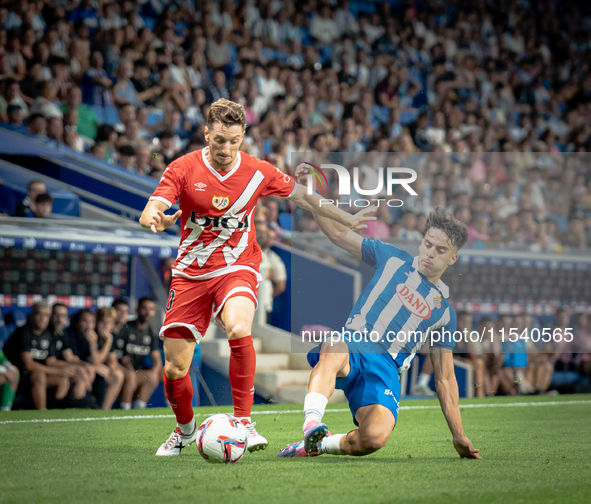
column 285, row 221
column 3, row 334
column 112, row 115
column 100, row 114
column 154, row 117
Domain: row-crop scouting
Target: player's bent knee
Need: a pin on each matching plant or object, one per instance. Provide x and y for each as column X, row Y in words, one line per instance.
column 371, row 443
column 239, row 329
column 175, row 370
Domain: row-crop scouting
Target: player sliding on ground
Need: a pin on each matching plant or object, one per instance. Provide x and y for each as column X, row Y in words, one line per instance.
column 405, row 294
column 217, row 267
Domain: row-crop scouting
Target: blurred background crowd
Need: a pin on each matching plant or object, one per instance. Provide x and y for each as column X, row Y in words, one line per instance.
column 131, row 82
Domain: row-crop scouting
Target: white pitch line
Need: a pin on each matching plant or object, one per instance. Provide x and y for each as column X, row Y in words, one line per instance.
column 277, row 412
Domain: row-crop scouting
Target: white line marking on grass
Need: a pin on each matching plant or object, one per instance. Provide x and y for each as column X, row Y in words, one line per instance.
column 276, row 412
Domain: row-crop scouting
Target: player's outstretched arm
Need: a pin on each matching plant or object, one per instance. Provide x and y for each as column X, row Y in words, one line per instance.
column 341, row 235
column 153, row 216
column 449, row 399
column 315, row 204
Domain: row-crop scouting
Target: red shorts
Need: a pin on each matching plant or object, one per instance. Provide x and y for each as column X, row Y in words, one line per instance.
column 192, row 303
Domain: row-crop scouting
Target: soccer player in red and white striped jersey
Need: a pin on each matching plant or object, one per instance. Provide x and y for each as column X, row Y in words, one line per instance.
column 217, row 267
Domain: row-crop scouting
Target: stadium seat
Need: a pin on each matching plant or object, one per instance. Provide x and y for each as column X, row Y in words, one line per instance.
column 285, row 221
column 112, row 115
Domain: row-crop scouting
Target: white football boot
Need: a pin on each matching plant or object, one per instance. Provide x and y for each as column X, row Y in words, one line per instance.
column 256, row 442
column 176, row 442
column 422, row 391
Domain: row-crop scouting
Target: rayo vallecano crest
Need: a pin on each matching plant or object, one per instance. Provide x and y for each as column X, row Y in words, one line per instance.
column 220, row 202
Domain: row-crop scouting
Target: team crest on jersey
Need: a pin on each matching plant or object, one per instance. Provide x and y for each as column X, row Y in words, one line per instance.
column 437, row 302
column 220, row 202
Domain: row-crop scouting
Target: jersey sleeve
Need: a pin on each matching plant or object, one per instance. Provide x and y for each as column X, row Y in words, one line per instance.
column 277, row 182
column 446, row 332
column 376, row 253
column 170, row 185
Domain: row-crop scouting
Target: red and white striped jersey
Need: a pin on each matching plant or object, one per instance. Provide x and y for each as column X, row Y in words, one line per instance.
column 218, row 233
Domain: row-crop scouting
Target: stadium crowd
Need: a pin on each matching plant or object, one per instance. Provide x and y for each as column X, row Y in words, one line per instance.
column 505, row 86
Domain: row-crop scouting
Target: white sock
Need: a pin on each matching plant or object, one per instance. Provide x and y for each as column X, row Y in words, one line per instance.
column 5, row 408
column 424, row 380
column 187, row 428
column 332, row 444
column 314, row 406
column 247, row 418
column 139, row 404
column 125, row 405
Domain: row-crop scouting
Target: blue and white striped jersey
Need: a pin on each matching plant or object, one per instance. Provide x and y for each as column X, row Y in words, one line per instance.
column 399, row 307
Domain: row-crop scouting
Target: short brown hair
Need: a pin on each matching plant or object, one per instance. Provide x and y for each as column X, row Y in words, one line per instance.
column 105, row 312
column 226, row 112
column 456, row 231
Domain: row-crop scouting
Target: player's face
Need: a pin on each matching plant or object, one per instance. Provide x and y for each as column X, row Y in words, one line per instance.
column 436, row 254
column 224, row 142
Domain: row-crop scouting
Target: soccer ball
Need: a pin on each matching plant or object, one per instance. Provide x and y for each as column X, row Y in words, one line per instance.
column 222, row 439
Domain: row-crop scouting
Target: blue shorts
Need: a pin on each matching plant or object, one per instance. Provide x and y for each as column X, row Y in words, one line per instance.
column 373, row 379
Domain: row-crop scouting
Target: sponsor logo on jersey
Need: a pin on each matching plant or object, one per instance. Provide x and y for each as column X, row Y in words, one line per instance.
column 217, row 223
column 137, row 349
column 200, row 186
column 220, row 202
column 413, row 301
column 437, row 302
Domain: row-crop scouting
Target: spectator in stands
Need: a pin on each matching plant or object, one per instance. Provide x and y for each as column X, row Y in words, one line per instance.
column 37, row 125
column 575, row 355
column 90, row 347
column 144, row 84
column 407, row 227
column 28, row 348
column 12, row 95
column 15, row 116
column 105, row 323
column 466, row 352
column 138, row 343
column 121, row 307
column 61, row 354
column 87, row 120
column 96, row 84
column 272, row 267
column 46, row 102
column 127, row 157
column 9, row 378
column 167, row 149
column 27, row 206
column 490, row 351
column 43, row 206
column 124, row 91
column 98, row 151
column 107, row 137
column 55, row 129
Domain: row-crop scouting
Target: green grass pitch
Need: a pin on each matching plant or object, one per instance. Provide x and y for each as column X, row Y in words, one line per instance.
column 532, row 453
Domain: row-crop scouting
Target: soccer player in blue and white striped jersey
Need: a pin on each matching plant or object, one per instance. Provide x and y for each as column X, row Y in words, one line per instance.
column 403, row 307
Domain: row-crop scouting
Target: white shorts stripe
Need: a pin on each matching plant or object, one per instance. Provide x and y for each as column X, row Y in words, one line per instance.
column 196, row 334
